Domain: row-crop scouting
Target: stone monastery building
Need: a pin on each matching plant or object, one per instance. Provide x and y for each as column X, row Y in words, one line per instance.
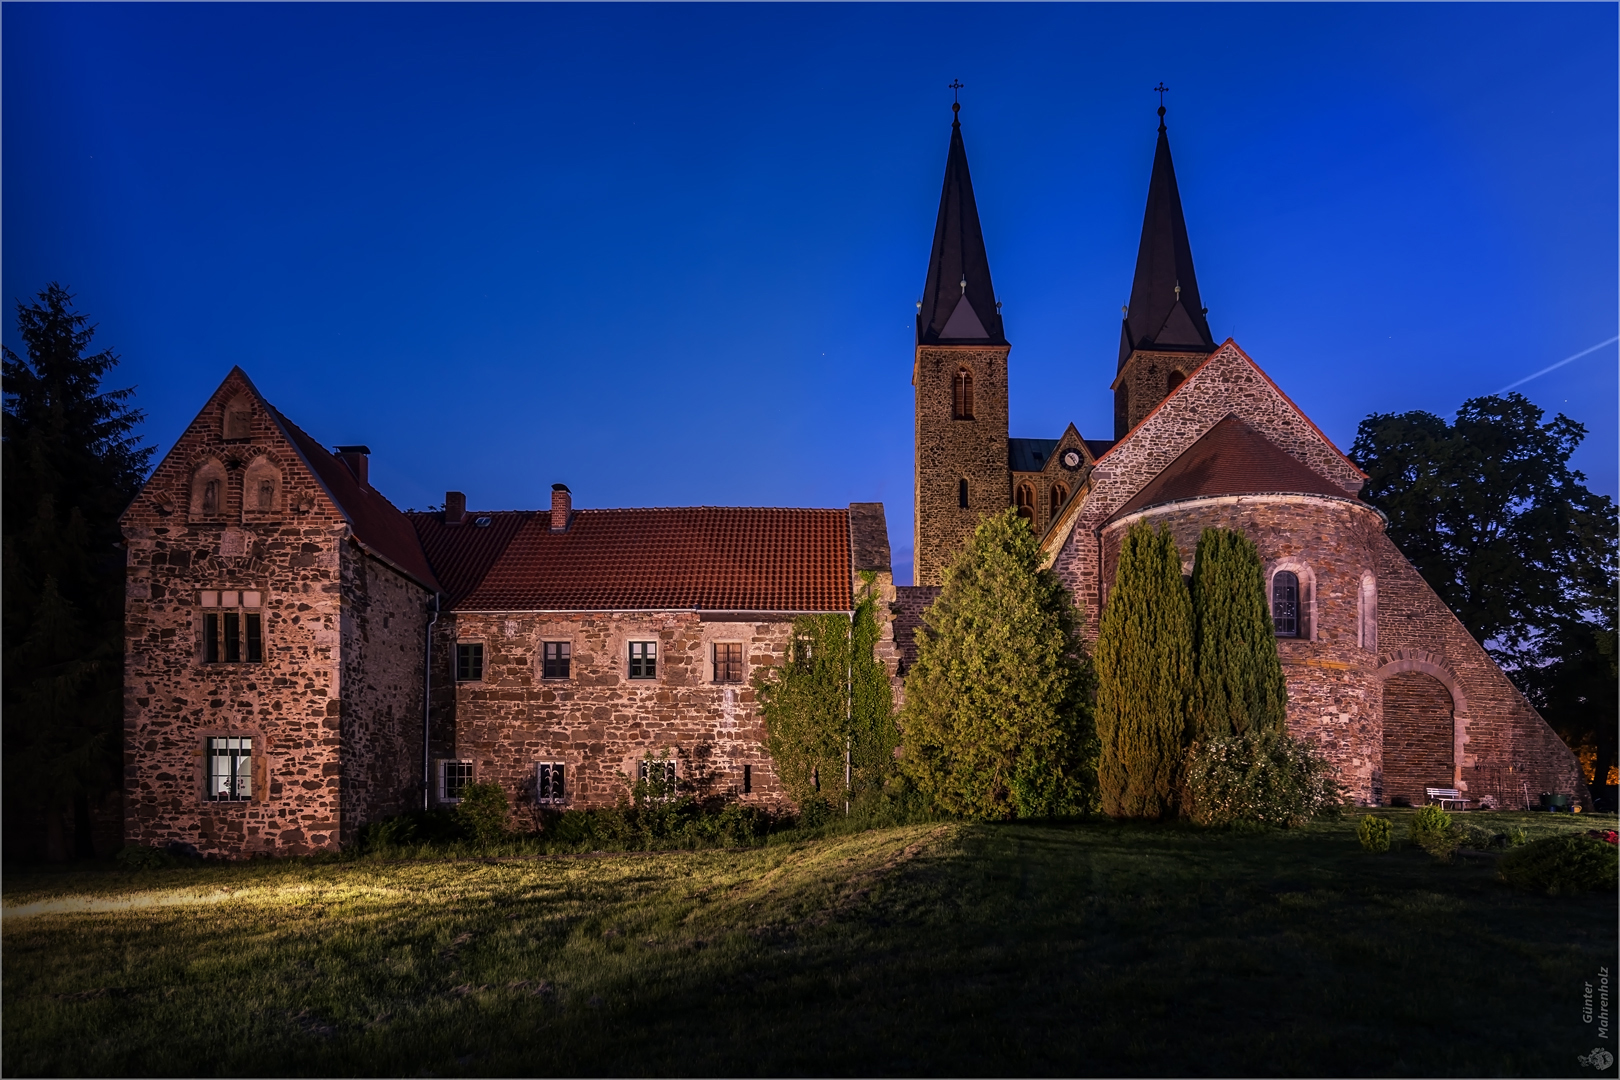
column 302, row 657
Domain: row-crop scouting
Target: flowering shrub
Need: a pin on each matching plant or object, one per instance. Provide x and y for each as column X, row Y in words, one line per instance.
column 1267, row 779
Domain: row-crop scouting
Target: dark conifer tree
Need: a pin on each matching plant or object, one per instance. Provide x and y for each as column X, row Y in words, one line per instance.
column 72, row 462
column 1144, row 676
column 1238, row 688
column 997, row 721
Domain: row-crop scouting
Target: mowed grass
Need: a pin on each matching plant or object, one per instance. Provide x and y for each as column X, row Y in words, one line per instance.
column 942, row 949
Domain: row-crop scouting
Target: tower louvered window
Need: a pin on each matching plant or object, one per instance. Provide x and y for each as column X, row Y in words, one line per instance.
column 962, row 396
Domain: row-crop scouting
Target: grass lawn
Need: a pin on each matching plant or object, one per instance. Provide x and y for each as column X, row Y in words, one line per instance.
column 940, row 949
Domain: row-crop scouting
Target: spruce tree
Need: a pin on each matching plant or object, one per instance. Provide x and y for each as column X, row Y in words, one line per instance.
column 72, row 462
column 997, row 718
column 1144, row 676
column 1238, row 688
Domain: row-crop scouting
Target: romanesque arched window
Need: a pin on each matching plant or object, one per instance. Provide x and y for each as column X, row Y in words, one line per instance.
column 1176, row 379
column 208, row 490
column 1367, row 612
column 239, row 417
column 962, row 395
column 1026, row 503
column 1285, row 615
column 1060, row 495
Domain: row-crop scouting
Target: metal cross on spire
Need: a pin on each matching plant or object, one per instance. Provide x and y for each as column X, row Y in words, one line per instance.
column 1161, row 90
column 956, row 96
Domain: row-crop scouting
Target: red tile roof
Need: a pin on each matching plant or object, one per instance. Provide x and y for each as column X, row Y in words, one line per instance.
column 1231, row 458
column 377, row 523
column 716, row 558
column 462, row 554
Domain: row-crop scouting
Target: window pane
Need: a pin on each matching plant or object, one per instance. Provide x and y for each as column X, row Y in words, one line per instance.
column 251, row 599
column 1285, row 604
column 233, row 637
column 230, row 768
column 210, row 598
column 470, row 662
column 210, row 639
column 255, row 639
column 227, row 598
column 457, row 775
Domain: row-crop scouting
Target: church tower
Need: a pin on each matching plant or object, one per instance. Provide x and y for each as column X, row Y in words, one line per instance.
column 960, row 378
column 1165, row 333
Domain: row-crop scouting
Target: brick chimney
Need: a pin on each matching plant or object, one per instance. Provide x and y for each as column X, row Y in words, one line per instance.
column 455, row 507
column 358, row 459
column 562, row 507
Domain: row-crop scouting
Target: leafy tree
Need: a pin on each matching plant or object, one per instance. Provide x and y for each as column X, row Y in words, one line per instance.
column 1144, row 676
column 997, row 720
column 1489, row 511
column 72, row 462
column 830, row 699
column 1238, row 685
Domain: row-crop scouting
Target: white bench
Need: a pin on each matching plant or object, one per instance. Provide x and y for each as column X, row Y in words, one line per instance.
column 1443, row 795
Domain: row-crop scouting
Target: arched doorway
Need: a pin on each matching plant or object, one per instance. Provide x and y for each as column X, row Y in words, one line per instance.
column 1419, row 736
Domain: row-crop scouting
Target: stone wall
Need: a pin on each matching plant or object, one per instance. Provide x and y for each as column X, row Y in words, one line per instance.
column 383, row 642
column 949, row 451
column 1228, row 382
column 1337, row 670
column 289, row 703
column 1144, row 381
column 1418, row 737
column 599, row 722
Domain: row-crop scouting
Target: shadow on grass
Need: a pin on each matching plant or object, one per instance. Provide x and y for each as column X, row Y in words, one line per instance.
column 938, row 948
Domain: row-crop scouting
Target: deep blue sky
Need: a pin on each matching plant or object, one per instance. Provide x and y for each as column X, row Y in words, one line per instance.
column 669, row 255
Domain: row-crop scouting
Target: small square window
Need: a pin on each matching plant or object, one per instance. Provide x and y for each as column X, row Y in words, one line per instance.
column 548, row 782
column 644, row 659
column 453, row 777
column 555, row 659
column 230, row 769
column 728, row 662
column 469, row 661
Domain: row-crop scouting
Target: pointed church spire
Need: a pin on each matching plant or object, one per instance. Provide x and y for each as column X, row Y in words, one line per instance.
column 1165, row 312
column 958, row 303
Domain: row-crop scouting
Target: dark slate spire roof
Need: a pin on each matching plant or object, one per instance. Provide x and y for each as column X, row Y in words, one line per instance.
column 950, row 313
column 1156, row 317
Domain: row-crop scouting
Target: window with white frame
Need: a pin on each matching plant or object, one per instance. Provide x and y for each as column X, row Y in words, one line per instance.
column 454, row 775
column 232, row 626
column 549, row 782
column 230, row 769
column 644, row 659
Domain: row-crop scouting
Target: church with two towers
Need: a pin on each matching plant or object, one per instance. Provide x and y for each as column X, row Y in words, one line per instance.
column 302, row 657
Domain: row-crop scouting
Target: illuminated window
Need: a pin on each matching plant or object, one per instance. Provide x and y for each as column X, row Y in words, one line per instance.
column 230, row 769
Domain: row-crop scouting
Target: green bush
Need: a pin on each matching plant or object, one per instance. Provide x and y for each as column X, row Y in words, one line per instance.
column 1561, row 864
column 1430, row 829
column 482, row 812
column 1373, row 832
column 137, row 857
column 1257, row 778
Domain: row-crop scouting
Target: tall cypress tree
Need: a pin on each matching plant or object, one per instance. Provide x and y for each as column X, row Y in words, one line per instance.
column 1238, row 688
column 997, row 721
column 72, row 462
column 1144, row 676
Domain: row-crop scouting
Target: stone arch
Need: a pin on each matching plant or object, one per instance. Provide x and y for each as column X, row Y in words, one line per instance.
column 208, row 490
column 1425, row 725
column 1025, row 500
column 262, row 490
column 238, row 417
column 1307, row 592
